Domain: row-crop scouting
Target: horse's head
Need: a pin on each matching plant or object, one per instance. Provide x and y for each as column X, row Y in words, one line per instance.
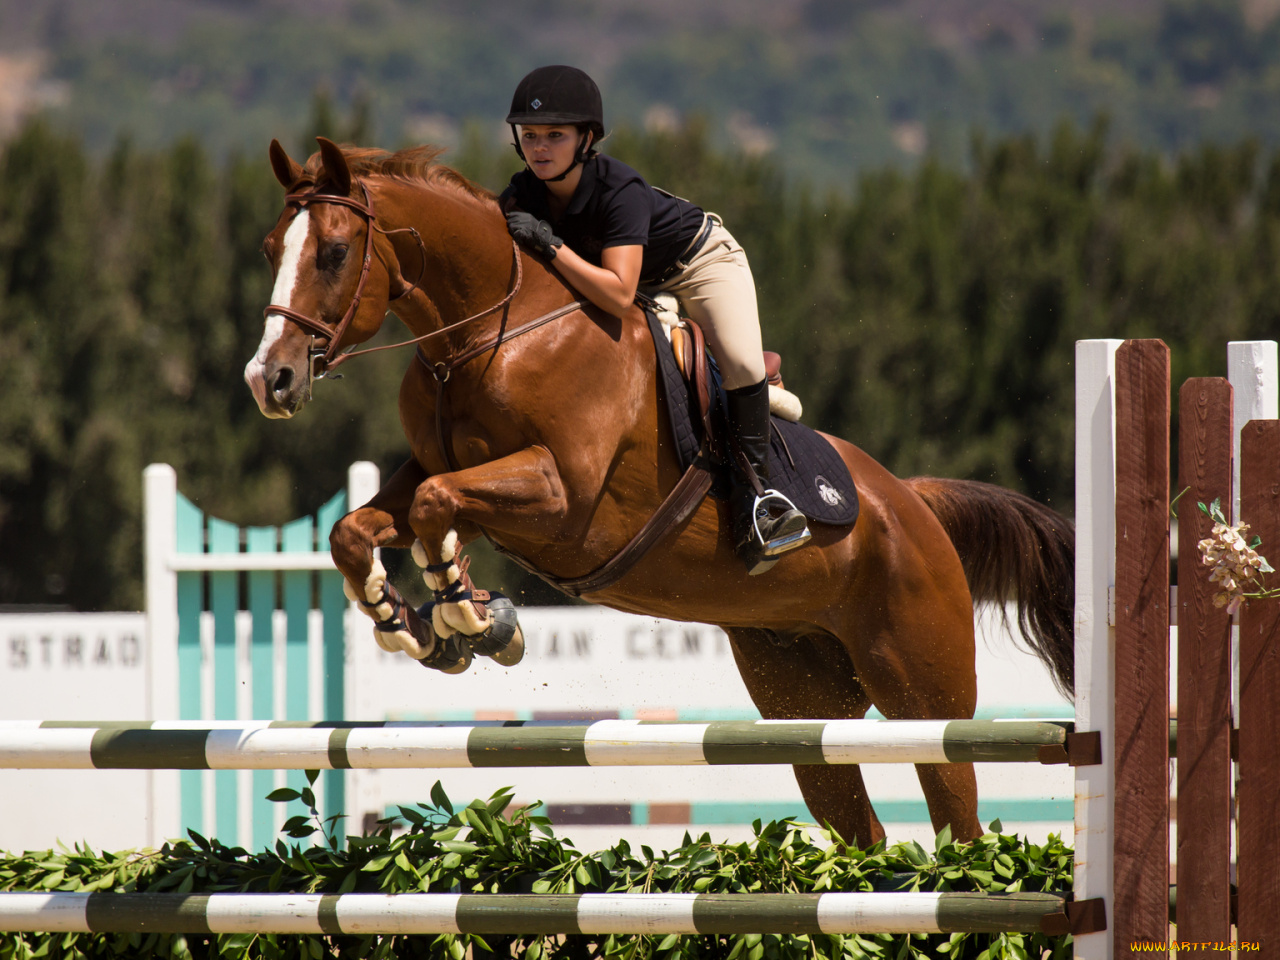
column 320, row 253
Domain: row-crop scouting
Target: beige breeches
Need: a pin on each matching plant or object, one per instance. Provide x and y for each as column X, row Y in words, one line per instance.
column 718, row 293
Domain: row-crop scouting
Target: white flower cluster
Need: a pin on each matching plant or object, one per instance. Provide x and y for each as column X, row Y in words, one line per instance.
column 1235, row 564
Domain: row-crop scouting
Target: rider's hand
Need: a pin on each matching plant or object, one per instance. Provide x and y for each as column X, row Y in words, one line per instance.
column 527, row 229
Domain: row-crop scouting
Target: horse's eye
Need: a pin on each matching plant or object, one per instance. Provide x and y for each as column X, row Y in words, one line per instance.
column 334, row 255
column 268, row 252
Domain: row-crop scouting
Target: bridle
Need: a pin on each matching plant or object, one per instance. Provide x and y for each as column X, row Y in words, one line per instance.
column 322, row 361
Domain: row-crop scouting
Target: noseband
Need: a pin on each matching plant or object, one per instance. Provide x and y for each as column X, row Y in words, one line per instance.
column 323, row 360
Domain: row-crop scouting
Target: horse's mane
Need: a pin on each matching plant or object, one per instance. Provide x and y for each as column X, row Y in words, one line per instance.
column 411, row 165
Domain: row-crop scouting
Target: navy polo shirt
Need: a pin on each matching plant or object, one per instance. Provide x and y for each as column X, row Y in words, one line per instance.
column 613, row 206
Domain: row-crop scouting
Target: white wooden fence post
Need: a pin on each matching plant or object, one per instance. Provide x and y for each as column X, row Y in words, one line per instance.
column 1254, row 374
column 160, row 498
column 1094, row 633
column 364, row 794
column 1252, row 370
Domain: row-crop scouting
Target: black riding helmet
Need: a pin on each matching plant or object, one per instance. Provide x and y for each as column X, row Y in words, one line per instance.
column 558, row 94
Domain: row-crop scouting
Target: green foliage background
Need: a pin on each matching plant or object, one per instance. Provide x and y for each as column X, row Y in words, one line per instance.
column 929, row 315
column 435, row 848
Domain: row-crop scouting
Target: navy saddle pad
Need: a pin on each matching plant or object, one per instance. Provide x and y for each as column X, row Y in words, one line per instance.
column 802, row 464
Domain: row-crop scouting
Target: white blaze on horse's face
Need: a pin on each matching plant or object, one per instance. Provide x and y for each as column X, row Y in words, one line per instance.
column 256, row 371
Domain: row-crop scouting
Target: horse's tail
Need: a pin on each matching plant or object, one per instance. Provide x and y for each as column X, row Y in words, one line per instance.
column 1013, row 548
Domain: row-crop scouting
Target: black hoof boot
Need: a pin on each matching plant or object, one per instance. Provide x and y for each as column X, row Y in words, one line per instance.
column 504, row 640
column 452, row 654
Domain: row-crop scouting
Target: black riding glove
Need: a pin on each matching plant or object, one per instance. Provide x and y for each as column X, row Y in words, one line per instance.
column 527, row 229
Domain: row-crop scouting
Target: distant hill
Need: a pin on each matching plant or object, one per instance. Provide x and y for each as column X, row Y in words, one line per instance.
column 827, row 86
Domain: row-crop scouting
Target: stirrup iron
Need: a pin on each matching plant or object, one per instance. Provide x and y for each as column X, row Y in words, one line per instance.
column 787, row 540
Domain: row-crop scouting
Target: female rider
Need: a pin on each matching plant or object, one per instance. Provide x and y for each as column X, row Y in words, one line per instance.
column 607, row 232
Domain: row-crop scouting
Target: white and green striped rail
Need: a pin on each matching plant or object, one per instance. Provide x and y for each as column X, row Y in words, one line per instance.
column 589, row 913
column 266, row 745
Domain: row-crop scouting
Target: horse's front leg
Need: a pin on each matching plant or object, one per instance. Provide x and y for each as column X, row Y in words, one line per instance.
column 384, row 522
column 520, row 494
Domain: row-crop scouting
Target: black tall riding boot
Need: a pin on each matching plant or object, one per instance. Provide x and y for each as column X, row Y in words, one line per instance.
column 765, row 523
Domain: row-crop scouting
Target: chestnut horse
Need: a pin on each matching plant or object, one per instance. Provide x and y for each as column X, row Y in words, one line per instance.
column 561, row 451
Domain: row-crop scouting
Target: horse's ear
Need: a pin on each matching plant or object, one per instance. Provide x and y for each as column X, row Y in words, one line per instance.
column 287, row 170
column 335, row 165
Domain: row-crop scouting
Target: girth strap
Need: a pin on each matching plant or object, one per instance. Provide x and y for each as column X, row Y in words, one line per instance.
column 678, row 506
column 441, row 371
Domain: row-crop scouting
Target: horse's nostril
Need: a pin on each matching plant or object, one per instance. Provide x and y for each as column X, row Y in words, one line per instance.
column 281, row 382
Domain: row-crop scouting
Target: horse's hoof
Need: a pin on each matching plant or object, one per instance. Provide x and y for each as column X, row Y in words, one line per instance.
column 514, row 651
column 455, row 656
column 452, row 654
column 504, row 640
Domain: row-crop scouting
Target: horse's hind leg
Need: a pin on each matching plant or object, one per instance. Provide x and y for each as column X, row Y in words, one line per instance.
column 915, row 660
column 806, row 678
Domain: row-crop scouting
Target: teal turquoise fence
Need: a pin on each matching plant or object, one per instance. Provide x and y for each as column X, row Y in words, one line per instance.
column 244, row 623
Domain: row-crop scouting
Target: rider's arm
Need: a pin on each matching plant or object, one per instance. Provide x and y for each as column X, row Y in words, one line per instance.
column 610, row 286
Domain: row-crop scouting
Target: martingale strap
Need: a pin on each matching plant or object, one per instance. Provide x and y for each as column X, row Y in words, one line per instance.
column 442, row 370
column 515, row 288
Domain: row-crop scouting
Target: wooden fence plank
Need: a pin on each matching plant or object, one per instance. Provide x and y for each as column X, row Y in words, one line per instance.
column 1204, row 670
column 1258, row 815
column 1141, row 747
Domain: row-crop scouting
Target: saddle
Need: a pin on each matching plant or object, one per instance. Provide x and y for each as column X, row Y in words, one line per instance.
column 802, row 463
column 690, row 349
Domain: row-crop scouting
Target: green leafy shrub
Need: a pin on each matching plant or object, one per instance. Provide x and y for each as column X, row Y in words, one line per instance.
column 481, row 848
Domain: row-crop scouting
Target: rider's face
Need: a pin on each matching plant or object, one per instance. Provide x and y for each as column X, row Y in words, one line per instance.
column 549, row 149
